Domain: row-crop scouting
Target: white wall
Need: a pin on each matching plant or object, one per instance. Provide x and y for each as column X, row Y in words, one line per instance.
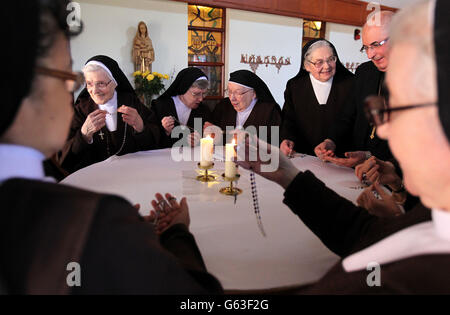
column 265, row 35
column 342, row 37
column 110, row 26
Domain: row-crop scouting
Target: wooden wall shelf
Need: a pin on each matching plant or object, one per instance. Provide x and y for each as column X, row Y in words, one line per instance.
column 350, row 12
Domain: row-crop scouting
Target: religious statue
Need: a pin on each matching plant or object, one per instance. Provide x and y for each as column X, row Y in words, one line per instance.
column 143, row 52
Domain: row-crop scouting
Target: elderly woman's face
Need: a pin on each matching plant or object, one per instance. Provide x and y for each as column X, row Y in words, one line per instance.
column 193, row 97
column 321, row 63
column 49, row 104
column 100, row 86
column 423, row 150
column 240, row 97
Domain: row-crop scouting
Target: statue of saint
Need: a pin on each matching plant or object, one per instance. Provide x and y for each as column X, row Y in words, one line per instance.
column 143, row 52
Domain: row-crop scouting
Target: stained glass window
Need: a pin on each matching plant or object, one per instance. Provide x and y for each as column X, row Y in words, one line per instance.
column 201, row 16
column 204, row 46
column 312, row 30
column 206, row 33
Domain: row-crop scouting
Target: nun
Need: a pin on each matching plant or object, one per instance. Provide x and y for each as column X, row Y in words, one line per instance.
column 182, row 105
column 109, row 119
column 249, row 104
column 408, row 254
column 313, row 98
column 50, row 230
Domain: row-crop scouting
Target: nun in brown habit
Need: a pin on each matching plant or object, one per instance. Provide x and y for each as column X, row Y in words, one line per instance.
column 409, row 254
column 249, row 104
column 109, row 118
column 181, row 105
column 49, row 232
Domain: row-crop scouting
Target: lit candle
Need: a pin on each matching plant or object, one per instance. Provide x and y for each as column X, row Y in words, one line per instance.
column 206, row 149
column 230, row 166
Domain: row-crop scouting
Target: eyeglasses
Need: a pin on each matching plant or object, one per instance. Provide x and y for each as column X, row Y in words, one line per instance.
column 378, row 111
column 199, row 94
column 374, row 45
column 98, row 85
column 72, row 80
column 319, row 63
column 237, row 94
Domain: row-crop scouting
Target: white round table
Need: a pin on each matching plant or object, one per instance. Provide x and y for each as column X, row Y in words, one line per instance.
column 232, row 245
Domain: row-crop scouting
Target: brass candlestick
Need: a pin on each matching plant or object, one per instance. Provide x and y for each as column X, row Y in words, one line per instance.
column 206, row 177
column 231, row 191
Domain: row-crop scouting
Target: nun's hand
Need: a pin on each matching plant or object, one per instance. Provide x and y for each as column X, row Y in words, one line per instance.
column 132, row 117
column 351, row 159
column 213, row 131
column 287, row 147
column 265, row 160
column 384, row 206
column 169, row 212
column 325, row 149
column 93, row 123
column 207, row 124
column 168, row 123
column 194, row 139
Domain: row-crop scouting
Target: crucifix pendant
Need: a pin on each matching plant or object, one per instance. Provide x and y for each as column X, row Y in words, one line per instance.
column 101, row 134
column 372, row 135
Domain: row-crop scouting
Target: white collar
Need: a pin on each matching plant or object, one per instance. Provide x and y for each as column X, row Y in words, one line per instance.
column 242, row 117
column 321, row 89
column 20, row 161
column 432, row 237
column 183, row 112
column 111, row 107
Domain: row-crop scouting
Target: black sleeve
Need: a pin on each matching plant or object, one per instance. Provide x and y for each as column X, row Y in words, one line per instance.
column 149, row 138
column 342, row 128
column 274, row 120
column 335, row 220
column 76, row 149
column 124, row 256
column 343, row 227
column 218, row 114
column 288, row 128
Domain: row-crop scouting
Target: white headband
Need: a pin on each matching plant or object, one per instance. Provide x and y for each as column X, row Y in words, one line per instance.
column 98, row 63
column 202, row 78
column 249, row 87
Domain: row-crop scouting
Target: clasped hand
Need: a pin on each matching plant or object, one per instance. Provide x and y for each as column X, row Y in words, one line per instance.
column 168, row 212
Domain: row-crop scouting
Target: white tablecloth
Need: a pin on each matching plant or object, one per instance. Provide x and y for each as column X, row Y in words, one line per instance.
column 227, row 234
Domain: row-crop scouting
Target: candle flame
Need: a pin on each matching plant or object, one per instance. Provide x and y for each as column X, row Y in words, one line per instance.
column 233, row 142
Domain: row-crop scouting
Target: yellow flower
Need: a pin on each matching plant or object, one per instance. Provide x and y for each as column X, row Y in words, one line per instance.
column 150, row 77
column 166, row 76
column 137, row 73
column 146, row 73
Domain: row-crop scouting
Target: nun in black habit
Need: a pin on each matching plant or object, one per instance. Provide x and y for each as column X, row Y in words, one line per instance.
column 181, row 104
column 408, row 254
column 49, row 230
column 109, row 118
column 250, row 103
column 313, row 98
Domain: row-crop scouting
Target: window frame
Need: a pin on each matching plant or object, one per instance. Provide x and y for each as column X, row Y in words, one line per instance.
column 220, row 64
